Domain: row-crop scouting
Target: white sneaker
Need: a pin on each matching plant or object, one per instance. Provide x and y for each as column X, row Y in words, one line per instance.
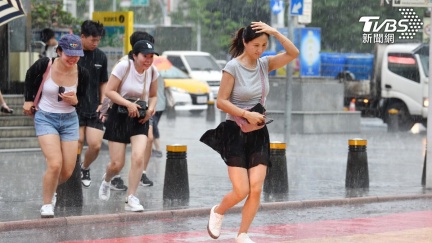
column 133, row 204
column 47, row 211
column 104, row 190
column 243, row 238
column 54, row 200
column 215, row 223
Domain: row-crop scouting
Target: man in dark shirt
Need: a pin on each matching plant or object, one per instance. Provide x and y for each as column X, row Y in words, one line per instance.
column 91, row 127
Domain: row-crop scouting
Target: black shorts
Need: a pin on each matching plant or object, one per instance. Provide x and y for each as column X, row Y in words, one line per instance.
column 94, row 122
column 120, row 127
column 238, row 149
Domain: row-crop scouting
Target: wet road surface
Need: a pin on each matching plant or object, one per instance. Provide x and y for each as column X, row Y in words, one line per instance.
column 316, row 171
column 397, row 221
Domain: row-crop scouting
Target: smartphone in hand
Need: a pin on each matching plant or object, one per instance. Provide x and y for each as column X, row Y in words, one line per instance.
column 268, row 121
column 60, row 91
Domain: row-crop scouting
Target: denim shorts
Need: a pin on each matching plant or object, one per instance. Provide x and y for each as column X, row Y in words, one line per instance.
column 63, row 124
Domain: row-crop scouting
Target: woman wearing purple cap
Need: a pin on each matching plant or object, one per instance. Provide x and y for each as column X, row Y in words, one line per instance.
column 52, row 88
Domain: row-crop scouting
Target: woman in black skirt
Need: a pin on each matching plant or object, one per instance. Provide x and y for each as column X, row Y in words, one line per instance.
column 244, row 85
column 131, row 81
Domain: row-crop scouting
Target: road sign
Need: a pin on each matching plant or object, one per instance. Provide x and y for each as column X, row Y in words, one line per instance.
column 140, row 3
column 134, row 3
column 296, row 7
column 276, row 6
column 412, row 3
column 310, row 47
column 306, row 17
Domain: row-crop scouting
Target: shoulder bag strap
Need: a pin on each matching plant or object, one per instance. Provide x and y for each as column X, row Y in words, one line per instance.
column 45, row 75
column 262, row 101
column 144, row 92
column 124, row 77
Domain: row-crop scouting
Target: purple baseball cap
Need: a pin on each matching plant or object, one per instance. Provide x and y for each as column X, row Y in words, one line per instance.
column 71, row 45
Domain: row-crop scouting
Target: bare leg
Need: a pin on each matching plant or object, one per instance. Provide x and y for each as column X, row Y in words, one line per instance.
column 256, row 180
column 117, row 153
column 50, row 145
column 68, row 149
column 138, row 142
column 94, row 140
column 240, row 182
column 148, row 149
column 156, row 143
column 81, row 140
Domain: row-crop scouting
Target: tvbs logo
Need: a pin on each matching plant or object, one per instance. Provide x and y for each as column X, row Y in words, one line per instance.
column 405, row 28
column 373, row 25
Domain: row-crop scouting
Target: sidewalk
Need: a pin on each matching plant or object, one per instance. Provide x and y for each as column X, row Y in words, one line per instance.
column 316, row 171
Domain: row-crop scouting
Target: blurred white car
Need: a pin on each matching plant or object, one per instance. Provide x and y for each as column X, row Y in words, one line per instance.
column 221, row 63
column 189, row 94
column 198, row 65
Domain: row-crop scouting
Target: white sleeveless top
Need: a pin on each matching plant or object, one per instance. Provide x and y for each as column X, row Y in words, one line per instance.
column 49, row 99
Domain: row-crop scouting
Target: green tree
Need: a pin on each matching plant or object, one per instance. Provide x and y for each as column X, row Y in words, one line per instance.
column 219, row 19
column 51, row 15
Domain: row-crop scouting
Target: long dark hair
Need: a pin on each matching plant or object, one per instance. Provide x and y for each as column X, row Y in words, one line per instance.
column 247, row 34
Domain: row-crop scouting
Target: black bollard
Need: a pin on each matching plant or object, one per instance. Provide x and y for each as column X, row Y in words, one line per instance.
column 276, row 180
column 357, row 173
column 69, row 194
column 210, row 116
column 393, row 120
column 423, row 180
column 176, row 183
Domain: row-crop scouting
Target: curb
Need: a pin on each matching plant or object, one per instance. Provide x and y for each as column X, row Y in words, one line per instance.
column 134, row 217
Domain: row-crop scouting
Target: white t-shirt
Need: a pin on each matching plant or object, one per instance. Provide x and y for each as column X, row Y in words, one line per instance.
column 133, row 86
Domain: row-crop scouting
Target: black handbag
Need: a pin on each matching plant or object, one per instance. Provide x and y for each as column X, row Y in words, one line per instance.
column 142, row 111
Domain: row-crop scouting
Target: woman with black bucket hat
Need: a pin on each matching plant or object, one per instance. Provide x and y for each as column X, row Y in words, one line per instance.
column 131, row 87
column 52, row 88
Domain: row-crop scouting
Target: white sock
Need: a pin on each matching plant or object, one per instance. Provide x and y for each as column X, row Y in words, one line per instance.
column 144, row 171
